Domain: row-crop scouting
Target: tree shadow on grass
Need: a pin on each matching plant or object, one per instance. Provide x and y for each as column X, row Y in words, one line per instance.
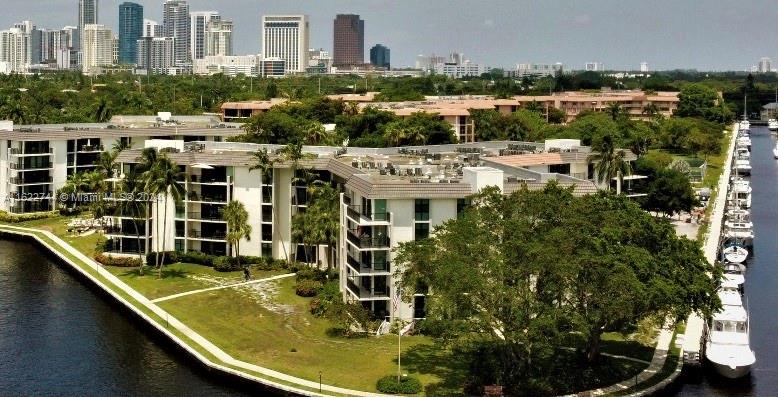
column 340, row 333
column 437, row 360
column 152, row 273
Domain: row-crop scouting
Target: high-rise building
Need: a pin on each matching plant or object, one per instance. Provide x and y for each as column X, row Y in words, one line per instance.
column 151, row 28
column 87, row 14
column 218, row 38
column 130, row 30
column 34, row 49
column 348, row 40
column 644, row 67
column 594, row 67
column 156, row 54
column 14, row 51
column 176, row 24
column 379, row 56
column 97, row 48
column 286, row 37
column 199, row 24
column 765, row 65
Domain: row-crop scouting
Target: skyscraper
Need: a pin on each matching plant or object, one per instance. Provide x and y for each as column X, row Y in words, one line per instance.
column 155, row 54
column 200, row 21
column 151, row 28
column 87, row 14
column 765, row 65
column 379, row 56
column 130, row 30
column 286, row 37
column 348, row 40
column 218, row 38
column 176, row 24
column 14, row 50
column 35, row 45
column 98, row 45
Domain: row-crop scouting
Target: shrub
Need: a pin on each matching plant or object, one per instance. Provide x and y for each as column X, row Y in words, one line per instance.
column 307, row 288
column 15, row 218
column 118, row 261
column 170, row 257
column 406, row 385
column 329, row 295
column 225, row 264
column 196, row 257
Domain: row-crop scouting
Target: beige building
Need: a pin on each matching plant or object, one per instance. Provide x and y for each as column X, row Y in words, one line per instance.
column 97, row 47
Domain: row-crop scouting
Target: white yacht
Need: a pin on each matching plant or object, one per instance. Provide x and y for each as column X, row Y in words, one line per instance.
column 743, row 167
column 772, row 125
column 775, row 151
column 735, row 254
column 744, row 141
column 741, row 193
column 727, row 345
column 743, row 153
column 742, row 232
column 745, row 125
column 733, row 282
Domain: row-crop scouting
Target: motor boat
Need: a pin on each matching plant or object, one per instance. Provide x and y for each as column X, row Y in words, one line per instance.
column 772, row 125
column 744, row 142
column 734, row 269
column 742, row 232
column 775, row 151
column 727, row 345
column 733, row 282
column 741, row 193
column 743, row 153
column 735, row 254
column 743, row 167
column 745, row 125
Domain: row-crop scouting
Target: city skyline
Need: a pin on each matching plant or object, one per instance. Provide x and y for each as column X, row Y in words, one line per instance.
column 570, row 33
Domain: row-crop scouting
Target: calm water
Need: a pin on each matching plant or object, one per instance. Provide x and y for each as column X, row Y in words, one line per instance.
column 761, row 283
column 60, row 338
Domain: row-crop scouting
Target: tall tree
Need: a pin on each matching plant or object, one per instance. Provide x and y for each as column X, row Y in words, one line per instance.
column 262, row 161
column 610, row 163
column 164, row 178
column 238, row 227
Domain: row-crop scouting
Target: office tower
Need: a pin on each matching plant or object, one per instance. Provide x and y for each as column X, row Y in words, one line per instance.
column 97, row 48
column 218, row 38
column 765, row 65
column 87, row 14
column 199, row 23
column 14, row 51
column 286, row 37
column 644, row 67
column 72, row 38
column 151, row 28
column 115, row 50
column 379, row 56
column 156, row 54
column 176, row 24
column 130, row 30
column 34, row 48
column 348, row 40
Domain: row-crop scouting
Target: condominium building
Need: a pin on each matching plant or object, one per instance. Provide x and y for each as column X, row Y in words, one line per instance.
column 765, row 65
column 286, row 37
column 218, row 38
column 14, row 51
column 198, row 28
column 130, row 31
column 156, row 55
column 538, row 69
column 594, row 67
column 88, row 12
column 380, row 56
column 459, row 70
column 348, row 40
column 97, row 48
column 249, row 65
column 177, row 24
column 152, row 28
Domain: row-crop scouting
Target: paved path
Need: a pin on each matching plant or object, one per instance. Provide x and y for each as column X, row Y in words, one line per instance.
column 197, row 291
column 182, row 328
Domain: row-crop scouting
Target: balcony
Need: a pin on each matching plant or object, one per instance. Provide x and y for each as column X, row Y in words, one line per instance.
column 365, row 241
column 35, row 152
column 30, row 181
column 90, row 148
column 207, row 179
column 365, row 293
column 203, row 216
column 194, row 196
column 369, row 267
column 118, row 231
column 215, row 235
column 354, row 212
column 36, row 166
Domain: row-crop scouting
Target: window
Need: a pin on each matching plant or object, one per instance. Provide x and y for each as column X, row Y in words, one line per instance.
column 267, row 232
column 267, row 250
column 462, row 205
column 267, row 213
column 421, row 231
column 422, row 210
column 563, row 169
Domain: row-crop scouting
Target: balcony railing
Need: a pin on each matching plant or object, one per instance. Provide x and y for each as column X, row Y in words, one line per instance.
column 193, row 196
column 22, row 166
column 364, row 293
column 206, row 179
column 354, row 213
column 29, row 181
column 205, row 216
column 365, row 241
column 34, row 152
column 217, row 235
column 122, row 232
column 91, row 148
column 367, row 267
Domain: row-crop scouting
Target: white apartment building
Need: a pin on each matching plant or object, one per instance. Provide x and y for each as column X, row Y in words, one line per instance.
column 459, row 70
column 15, row 50
column 199, row 24
column 286, row 37
column 218, row 38
column 156, row 55
column 97, row 48
column 176, row 23
column 151, row 28
column 249, row 65
column 594, row 67
column 88, row 14
column 538, row 69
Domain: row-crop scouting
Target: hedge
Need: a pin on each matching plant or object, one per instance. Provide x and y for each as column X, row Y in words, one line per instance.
column 307, row 288
column 406, row 385
column 16, row 218
column 225, row 263
column 118, row 261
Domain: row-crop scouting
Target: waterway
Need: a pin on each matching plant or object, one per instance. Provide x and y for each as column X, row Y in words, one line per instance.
column 761, row 288
column 60, row 338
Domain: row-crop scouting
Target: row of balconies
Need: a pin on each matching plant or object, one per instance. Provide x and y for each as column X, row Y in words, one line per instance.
column 32, row 166
column 358, row 215
column 367, row 293
column 29, row 181
column 34, row 152
column 364, row 240
column 367, row 267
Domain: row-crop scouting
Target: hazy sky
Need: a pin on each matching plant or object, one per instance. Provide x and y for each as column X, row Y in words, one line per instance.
column 701, row 34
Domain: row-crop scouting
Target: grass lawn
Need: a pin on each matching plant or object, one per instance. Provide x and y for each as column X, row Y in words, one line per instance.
column 180, row 277
column 58, row 225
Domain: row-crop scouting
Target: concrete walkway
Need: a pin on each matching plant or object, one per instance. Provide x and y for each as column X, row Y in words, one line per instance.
column 172, row 322
column 197, row 291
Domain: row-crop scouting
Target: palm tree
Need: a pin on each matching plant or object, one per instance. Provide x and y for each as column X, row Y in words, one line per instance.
column 238, row 228
column 394, row 133
column 324, row 219
column 416, row 135
column 315, row 134
column 131, row 204
column 263, row 162
column 610, row 163
column 614, row 110
column 651, row 111
column 293, row 153
column 164, row 178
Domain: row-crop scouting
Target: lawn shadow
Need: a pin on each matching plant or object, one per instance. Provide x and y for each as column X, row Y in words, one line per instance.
column 151, row 272
column 438, row 360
